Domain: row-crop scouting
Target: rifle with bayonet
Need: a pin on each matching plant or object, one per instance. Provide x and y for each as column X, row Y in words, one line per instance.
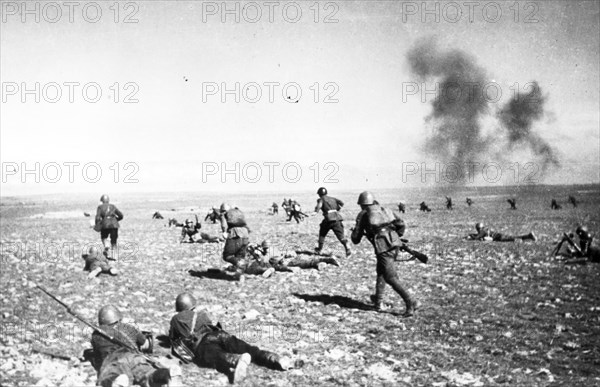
column 97, row 329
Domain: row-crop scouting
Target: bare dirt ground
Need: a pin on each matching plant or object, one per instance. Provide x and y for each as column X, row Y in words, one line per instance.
column 494, row 313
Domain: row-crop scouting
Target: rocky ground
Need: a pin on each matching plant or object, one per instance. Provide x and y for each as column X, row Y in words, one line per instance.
column 494, row 313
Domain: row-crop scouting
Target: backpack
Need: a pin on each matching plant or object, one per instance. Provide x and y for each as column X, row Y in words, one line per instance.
column 235, row 218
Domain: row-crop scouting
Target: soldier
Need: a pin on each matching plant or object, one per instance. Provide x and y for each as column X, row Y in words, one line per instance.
column 485, row 234
column 469, row 202
column 448, row 203
column 235, row 232
column 296, row 211
column 423, row 207
column 586, row 252
column 554, row 205
column 383, row 228
column 213, row 215
column 267, row 259
column 573, row 201
column 157, row 215
column 96, row 263
column 513, row 203
column 194, row 337
column 189, row 230
column 275, row 208
column 120, row 366
column 107, row 222
column 401, row 207
column 332, row 220
column 174, row 222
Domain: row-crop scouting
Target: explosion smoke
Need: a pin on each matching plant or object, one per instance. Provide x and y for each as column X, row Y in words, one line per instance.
column 518, row 116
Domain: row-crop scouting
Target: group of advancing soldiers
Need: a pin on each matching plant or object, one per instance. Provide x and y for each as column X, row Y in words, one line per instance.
column 194, row 337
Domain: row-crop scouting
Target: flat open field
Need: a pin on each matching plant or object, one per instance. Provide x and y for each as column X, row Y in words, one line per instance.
column 493, row 313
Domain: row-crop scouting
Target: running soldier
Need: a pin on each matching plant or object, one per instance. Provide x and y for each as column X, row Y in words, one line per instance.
column 195, row 338
column 383, row 228
column 332, row 220
column 107, row 222
column 235, row 232
column 96, row 263
column 513, row 203
column 275, row 208
column 120, row 366
column 401, row 207
column 485, row 234
column 448, row 203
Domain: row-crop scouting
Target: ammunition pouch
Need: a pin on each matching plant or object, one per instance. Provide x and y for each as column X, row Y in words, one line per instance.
column 385, row 239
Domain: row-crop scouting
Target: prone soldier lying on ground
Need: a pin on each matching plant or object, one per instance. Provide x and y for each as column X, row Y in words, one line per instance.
column 423, row 207
column 266, row 259
column 195, row 338
column 96, row 263
column 584, row 252
column 120, row 366
column 485, row 234
column 174, row 222
column 157, row 215
column 189, row 230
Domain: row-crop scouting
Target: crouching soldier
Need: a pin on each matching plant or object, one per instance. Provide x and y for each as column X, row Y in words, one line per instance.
column 195, row 338
column 383, row 228
column 121, row 366
column 190, row 229
column 96, row 263
column 485, row 234
column 585, row 251
column 267, row 259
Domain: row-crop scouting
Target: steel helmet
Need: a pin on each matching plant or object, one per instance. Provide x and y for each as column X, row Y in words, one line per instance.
column 265, row 244
column 581, row 230
column 184, row 301
column 478, row 226
column 224, row 207
column 322, row 191
column 104, row 198
column 108, row 315
column 366, row 198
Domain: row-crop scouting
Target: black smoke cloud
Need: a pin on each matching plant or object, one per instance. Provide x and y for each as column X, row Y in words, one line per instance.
column 518, row 116
column 460, row 105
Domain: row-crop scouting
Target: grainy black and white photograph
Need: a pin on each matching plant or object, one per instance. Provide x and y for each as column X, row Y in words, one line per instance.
column 299, row 193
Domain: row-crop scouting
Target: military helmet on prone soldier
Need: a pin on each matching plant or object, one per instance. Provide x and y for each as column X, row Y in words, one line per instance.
column 108, row 315
column 224, row 207
column 322, row 191
column 184, row 301
column 366, row 198
column 478, row 226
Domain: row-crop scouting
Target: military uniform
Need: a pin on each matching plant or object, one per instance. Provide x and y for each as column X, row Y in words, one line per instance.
column 189, row 230
column 265, row 258
column 332, row 220
column 113, row 359
column 383, row 228
column 95, row 261
column 484, row 233
column 237, row 241
column 212, row 346
column 107, row 219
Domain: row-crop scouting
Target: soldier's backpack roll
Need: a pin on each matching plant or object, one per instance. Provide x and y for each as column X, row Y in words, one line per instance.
column 235, row 218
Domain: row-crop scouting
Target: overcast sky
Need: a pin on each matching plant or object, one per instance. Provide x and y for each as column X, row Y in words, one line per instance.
column 172, row 58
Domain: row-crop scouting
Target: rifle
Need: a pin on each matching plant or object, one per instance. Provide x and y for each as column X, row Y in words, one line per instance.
column 97, row 329
column 415, row 254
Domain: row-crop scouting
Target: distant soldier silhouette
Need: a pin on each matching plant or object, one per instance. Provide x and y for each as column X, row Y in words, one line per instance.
column 573, row 201
column 448, row 203
column 554, row 205
column 332, row 219
column 275, row 208
column 469, row 202
column 213, row 215
column 513, row 203
column 485, row 234
column 383, row 228
column 107, row 222
column 296, row 212
column 402, row 207
column 174, row 222
column 423, row 207
column 157, row 215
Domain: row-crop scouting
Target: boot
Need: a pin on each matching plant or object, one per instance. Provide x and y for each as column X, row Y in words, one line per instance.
column 347, row 248
column 376, row 303
column 411, row 307
column 241, row 368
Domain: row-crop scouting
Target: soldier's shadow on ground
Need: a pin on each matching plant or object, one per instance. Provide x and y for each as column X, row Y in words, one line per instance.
column 342, row 301
column 213, row 274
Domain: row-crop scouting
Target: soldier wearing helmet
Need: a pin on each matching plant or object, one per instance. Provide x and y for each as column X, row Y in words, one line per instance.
column 485, row 234
column 584, row 252
column 189, row 229
column 383, row 228
column 266, row 259
column 96, row 263
column 235, row 232
column 117, row 365
column 332, row 219
column 195, row 338
column 107, row 223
